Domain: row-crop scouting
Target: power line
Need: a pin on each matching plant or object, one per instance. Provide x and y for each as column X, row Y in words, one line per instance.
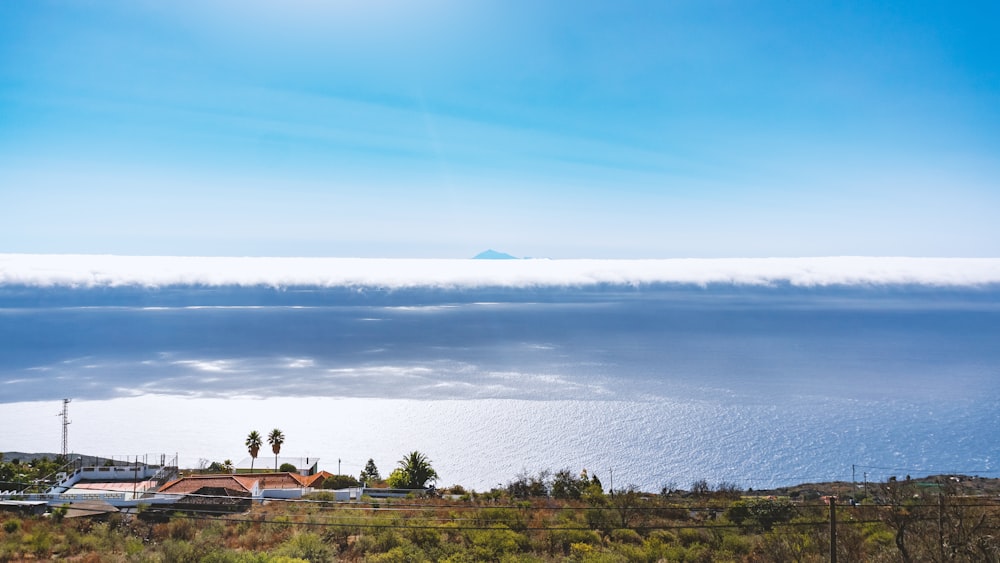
column 969, row 472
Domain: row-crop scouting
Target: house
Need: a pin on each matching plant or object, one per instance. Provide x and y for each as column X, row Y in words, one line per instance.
column 303, row 465
column 236, row 490
column 24, row 507
column 316, row 480
column 193, row 484
column 279, row 485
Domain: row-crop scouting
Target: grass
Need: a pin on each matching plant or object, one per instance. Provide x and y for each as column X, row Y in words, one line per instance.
column 495, row 527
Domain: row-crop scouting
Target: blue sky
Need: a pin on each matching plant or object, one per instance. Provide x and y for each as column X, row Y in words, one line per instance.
column 556, row 129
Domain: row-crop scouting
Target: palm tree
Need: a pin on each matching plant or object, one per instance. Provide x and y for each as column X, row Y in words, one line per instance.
column 276, row 438
column 253, row 446
column 418, row 470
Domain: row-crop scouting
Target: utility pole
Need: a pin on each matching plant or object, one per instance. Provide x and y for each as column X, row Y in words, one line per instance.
column 65, row 427
column 833, row 529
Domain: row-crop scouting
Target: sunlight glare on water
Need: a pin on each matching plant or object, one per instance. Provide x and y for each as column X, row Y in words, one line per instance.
column 483, row 443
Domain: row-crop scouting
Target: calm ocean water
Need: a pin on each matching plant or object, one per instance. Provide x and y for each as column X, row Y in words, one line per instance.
column 664, row 384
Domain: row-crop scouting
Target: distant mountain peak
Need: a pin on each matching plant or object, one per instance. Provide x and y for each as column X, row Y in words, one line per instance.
column 493, row 255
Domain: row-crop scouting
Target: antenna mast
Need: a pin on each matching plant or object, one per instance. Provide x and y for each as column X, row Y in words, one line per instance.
column 65, row 424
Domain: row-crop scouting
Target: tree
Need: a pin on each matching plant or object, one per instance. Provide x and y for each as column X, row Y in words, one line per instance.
column 938, row 522
column 627, row 502
column 526, row 486
column 596, row 483
column 340, row 482
column 700, row 488
column 216, row 467
column 728, row 490
column 253, row 443
column 398, row 479
column 759, row 514
column 567, row 486
column 370, row 473
column 416, row 470
column 276, row 438
column 903, row 513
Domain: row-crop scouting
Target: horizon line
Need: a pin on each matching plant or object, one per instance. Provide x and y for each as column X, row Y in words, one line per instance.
column 106, row 270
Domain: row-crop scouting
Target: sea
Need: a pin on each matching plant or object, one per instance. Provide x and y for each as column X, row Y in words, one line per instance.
column 756, row 382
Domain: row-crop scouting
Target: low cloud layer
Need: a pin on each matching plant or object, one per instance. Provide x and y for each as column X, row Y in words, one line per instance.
column 162, row 271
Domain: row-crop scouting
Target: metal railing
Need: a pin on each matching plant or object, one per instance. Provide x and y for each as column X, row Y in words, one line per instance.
column 62, row 496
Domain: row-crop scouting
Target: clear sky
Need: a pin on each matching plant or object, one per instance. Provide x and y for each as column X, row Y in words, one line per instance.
column 439, row 128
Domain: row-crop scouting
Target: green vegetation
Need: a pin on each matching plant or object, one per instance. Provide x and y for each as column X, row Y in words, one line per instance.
column 414, row 472
column 253, row 444
column 370, row 474
column 900, row 521
column 217, row 467
column 276, row 438
column 340, row 482
column 760, row 514
column 18, row 475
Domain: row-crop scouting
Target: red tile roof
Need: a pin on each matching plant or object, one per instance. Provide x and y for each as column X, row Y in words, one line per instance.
column 243, row 482
column 274, row 480
column 312, row 480
column 186, row 485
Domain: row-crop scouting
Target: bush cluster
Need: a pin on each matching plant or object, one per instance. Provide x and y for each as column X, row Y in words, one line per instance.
column 909, row 523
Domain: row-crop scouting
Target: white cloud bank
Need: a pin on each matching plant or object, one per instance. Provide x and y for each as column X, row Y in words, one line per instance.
column 155, row 271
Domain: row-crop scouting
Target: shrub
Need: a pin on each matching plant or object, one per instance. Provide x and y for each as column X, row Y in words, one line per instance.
column 625, row 553
column 600, row 519
column 386, row 539
column 737, row 545
column 497, row 541
column 323, row 496
column 400, row 554
column 182, row 529
column 363, row 543
column 561, row 540
column 759, row 513
column 787, row 545
column 340, row 482
column 580, row 550
column 626, row 536
column 506, row 516
column 308, row 546
column 178, row 551
column 8, row 553
column 693, row 536
column 665, row 537
column 40, row 542
column 424, row 537
column 133, row 546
